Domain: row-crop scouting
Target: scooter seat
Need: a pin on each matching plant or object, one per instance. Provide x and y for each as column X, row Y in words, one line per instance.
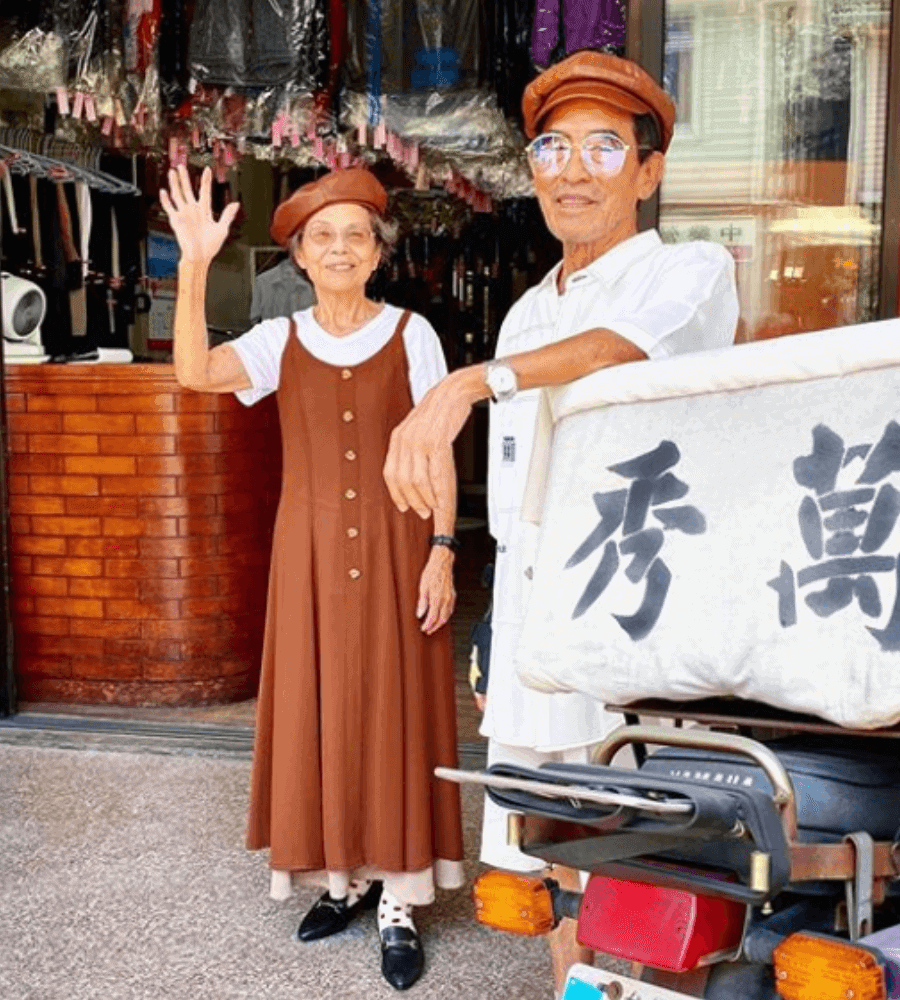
column 838, row 790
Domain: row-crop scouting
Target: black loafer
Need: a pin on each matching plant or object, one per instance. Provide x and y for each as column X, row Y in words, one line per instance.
column 402, row 959
column 329, row 916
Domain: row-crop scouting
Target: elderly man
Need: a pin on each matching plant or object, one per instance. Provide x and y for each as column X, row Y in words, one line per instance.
column 600, row 127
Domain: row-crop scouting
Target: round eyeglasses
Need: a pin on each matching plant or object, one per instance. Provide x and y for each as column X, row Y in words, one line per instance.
column 355, row 237
column 602, row 153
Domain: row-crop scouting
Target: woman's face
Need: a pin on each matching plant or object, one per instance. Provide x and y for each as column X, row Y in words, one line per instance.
column 338, row 250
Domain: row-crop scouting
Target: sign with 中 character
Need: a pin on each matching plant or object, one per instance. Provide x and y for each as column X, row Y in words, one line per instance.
column 726, row 523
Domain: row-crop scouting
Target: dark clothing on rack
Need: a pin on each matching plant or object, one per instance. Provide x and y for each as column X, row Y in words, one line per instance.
column 243, row 43
column 174, row 71
column 409, row 45
column 588, row 24
column 511, row 67
column 72, row 246
column 56, row 330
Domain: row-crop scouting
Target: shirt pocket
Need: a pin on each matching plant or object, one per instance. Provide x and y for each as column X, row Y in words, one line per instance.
column 512, row 437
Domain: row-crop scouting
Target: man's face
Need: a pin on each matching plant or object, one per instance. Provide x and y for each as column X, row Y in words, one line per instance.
column 581, row 208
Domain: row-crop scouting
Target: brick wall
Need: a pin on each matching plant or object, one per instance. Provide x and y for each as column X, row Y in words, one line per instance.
column 141, row 520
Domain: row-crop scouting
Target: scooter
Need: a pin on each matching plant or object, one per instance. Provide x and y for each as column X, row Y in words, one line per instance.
column 755, row 854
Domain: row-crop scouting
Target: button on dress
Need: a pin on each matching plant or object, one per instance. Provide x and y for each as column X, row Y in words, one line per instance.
column 356, row 704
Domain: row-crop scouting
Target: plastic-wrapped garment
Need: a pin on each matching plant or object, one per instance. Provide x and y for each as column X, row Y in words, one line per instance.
column 337, row 34
column 589, row 24
column 511, row 67
column 397, row 46
column 261, row 43
column 45, row 46
column 80, row 26
column 35, row 62
column 173, row 53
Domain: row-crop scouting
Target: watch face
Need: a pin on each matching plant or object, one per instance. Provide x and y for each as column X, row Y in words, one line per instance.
column 501, row 380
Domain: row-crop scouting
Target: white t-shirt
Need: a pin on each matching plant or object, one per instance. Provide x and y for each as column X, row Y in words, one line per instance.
column 260, row 349
column 665, row 299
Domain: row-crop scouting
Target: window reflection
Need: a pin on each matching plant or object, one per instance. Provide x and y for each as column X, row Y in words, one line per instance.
column 779, row 154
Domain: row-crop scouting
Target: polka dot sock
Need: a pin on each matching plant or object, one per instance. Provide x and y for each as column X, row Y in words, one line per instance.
column 357, row 888
column 393, row 913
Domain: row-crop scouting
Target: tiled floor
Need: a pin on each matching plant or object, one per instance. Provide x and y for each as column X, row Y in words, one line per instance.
column 476, row 551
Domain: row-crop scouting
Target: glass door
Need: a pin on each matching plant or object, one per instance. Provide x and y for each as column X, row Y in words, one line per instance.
column 779, row 152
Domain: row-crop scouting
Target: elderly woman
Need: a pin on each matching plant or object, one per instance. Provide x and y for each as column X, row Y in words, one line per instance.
column 356, row 701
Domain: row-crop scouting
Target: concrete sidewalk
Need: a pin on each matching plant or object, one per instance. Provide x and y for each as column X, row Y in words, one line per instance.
column 123, row 877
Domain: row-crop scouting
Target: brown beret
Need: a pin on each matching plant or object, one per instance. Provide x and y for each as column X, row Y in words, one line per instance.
column 597, row 76
column 355, row 185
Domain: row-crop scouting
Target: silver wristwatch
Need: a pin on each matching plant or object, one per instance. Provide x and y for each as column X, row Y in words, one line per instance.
column 501, row 380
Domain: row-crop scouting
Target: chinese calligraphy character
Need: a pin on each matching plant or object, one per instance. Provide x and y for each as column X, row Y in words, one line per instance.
column 829, row 519
column 652, row 485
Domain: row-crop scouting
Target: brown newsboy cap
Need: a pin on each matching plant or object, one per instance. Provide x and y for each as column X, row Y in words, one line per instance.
column 354, row 184
column 597, row 76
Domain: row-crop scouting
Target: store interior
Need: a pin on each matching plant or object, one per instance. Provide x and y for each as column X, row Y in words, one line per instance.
column 99, row 99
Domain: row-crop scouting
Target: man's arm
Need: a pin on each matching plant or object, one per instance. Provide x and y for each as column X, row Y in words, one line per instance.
column 419, row 467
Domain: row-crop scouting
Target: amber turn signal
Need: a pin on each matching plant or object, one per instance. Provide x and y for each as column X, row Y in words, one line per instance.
column 815, row 967
column 516, row 903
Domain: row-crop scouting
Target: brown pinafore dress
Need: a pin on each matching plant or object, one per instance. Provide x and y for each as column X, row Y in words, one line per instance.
column 356, row 705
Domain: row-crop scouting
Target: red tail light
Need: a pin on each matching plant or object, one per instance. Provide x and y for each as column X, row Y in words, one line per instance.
column 671, row 929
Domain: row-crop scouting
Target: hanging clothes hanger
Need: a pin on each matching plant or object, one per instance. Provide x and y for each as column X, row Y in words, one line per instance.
column 87, row 158
column 17, row 149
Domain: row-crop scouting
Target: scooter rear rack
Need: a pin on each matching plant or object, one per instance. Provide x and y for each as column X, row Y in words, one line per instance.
column 865, row 866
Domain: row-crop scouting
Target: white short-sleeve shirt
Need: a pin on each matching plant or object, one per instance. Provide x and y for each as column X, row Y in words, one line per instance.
column 666, row 300
column 261, row 348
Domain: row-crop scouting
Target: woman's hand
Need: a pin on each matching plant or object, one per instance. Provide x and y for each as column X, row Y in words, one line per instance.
column 200, row 237
column 437, row 596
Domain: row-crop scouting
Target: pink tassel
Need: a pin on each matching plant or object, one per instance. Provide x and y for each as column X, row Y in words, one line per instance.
column 278, row 130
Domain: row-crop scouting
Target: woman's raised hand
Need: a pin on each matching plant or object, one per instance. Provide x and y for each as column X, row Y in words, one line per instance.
column 200, row 237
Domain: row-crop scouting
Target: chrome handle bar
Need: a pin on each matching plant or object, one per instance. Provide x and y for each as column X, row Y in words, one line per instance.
column 569, row 792
column 703, row 739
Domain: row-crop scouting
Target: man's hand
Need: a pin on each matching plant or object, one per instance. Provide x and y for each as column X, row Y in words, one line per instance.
column 419, row 469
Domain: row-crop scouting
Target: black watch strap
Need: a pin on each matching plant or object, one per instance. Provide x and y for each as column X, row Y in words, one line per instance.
column 447, row 540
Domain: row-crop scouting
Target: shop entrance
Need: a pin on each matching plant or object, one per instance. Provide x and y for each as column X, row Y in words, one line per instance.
column 135, row 535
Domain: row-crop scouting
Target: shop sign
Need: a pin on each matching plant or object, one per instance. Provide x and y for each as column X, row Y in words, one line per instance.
column 736, row 233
